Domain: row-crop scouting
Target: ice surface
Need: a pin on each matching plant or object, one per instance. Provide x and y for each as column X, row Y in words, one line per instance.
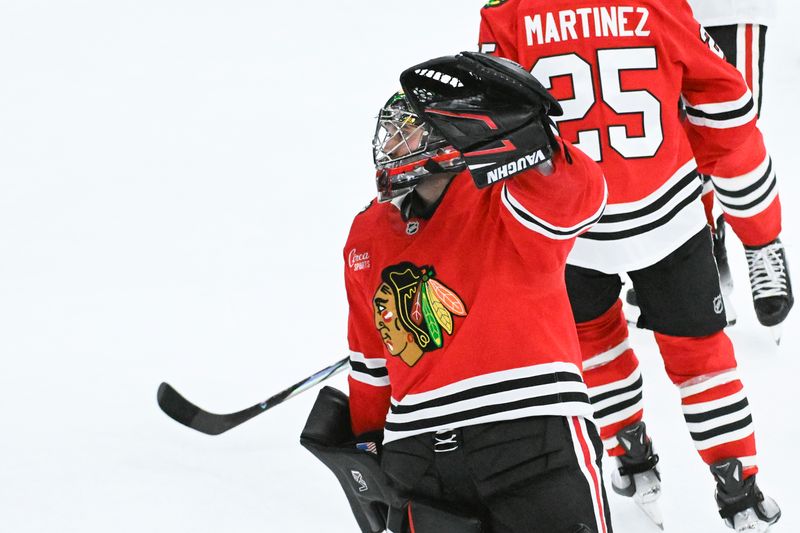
column 176, row 183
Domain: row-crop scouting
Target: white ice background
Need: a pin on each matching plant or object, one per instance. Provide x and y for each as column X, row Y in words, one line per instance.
column 177, row 179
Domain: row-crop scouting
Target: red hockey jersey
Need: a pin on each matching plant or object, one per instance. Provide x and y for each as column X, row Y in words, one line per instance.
column 464, row 318
column 620, row 71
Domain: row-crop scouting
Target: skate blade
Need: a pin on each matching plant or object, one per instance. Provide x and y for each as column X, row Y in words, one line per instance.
column 753, row 527
column 653, row 512
column 730, row 312
column 777, row 333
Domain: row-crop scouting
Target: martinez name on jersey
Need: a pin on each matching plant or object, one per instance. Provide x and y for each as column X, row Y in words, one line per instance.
column 586, row 22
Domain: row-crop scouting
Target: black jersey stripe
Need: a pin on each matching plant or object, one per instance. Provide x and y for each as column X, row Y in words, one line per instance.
column 721, row 430
column 485, row 390
column 724, row 115
column 673, row 191
column 722, row 191
column 716, row 413
column 358, row 366
column 553, row 230
column 638, row 230
column 486, row 410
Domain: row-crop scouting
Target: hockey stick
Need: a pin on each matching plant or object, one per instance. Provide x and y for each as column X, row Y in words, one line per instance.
column 185, row 412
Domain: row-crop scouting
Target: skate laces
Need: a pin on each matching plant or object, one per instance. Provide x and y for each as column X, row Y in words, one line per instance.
column 767, row 271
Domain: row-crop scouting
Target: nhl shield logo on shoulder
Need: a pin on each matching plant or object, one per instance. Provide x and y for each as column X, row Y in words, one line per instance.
column 412, row 227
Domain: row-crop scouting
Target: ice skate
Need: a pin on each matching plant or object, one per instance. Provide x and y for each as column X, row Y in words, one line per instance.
column 742, row 506
column 771, row 285
column 637, row 476
column 724, row 269
column 777, row 333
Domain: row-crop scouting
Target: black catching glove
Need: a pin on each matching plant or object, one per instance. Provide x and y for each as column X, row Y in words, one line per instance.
column 490, row 109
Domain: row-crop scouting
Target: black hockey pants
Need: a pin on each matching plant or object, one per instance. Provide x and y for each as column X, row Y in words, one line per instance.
column 533, row 475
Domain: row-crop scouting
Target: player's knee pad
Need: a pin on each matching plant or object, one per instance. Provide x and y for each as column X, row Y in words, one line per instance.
column 424, row 517
column 328, row 436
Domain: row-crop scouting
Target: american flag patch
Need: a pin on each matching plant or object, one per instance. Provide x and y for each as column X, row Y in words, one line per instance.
column 370, row 447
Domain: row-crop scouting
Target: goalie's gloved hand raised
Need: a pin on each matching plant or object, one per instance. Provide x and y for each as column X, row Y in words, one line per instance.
column 490, row 109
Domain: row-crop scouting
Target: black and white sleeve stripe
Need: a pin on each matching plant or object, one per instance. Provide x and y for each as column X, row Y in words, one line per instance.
column 621, row 221
column 371, row 371
column 633, row 235
column 552, row 231
column 748, row 194
column 721, row 115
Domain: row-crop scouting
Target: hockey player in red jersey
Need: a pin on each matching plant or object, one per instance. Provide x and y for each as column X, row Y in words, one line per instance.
column 463, row 347
column 619, row 72
column 739, row 29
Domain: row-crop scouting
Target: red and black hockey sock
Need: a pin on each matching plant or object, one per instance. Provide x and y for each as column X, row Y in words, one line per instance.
column 715, row 407
column 611, row 371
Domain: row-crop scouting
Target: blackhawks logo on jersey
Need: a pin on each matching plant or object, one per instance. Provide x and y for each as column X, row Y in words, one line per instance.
column 413, row 310
column 495, row 3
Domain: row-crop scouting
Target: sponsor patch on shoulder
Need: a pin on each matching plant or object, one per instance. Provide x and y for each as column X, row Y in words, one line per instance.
column 358, row 260
column 495, row 3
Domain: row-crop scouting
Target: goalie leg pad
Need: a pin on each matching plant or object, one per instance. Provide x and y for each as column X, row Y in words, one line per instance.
column 327, row 435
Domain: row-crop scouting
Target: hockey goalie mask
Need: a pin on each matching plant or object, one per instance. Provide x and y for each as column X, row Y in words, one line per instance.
column 406, row 150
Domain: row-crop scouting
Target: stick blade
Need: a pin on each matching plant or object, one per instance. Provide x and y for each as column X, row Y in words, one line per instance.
column 185, row 412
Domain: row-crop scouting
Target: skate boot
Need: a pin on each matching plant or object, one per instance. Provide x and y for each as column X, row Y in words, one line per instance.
column 725, row 278
column 770, row 283
column 742, row 505
column 637, row 476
